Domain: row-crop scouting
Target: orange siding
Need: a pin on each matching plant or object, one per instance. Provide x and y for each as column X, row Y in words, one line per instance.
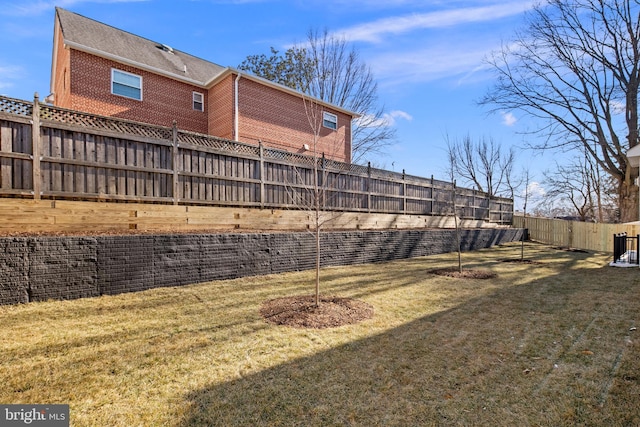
column 278, row 119
column 281, row 120
column 221, row 109
column 61, row 84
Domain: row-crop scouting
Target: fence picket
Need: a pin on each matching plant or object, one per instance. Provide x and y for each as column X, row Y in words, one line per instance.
column 6, row 146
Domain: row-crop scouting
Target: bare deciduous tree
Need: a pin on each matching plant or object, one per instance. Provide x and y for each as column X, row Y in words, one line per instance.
column 527, row 194
column 484, row 164
column 312, row 195
column 579, row 186
column 453, row 159
column 576, row 68
column 328, row 68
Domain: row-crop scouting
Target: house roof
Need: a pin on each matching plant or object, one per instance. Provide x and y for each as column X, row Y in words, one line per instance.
column 94, row 37
column 87, row 35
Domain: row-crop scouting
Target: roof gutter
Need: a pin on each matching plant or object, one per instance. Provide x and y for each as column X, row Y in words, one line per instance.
column 282, row 88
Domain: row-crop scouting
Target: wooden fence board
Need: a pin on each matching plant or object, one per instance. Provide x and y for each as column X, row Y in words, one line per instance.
column 6, row 146
column 575, row 234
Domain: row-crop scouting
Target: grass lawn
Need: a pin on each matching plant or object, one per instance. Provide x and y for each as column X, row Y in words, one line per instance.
column 551, row 343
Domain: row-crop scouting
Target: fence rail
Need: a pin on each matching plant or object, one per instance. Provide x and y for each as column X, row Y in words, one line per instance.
column 50, row 152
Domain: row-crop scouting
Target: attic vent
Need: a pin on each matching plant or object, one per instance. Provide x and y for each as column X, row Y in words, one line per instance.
column 165, row 47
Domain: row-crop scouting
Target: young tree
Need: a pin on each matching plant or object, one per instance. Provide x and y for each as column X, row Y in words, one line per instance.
column 576, row 68
column 326, row 67
column 453, row 159
column 527, row 190
column 311, row 193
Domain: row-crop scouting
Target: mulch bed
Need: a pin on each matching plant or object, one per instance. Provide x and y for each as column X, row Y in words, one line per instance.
column 301, row 312
column 568, row 249
column 521, row 261
column 465, row 273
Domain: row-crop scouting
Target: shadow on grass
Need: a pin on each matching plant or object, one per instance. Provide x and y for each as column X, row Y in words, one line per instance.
column 551, row 352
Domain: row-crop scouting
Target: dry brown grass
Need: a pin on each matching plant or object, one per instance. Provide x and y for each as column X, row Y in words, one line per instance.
column 540, row 344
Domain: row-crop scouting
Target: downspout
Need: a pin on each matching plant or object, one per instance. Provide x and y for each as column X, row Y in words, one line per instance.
column 351, row 142
column 236, row 122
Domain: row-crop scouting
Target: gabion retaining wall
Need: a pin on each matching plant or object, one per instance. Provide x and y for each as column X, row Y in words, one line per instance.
column 42, row 268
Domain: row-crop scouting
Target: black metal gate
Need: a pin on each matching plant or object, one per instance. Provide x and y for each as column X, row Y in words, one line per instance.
column 626, row 248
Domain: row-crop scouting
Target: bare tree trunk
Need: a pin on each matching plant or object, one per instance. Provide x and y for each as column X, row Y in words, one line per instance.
column 317, row 225
column 575, row 66
column 628, row 198
column 455, row 221
column 317, row 301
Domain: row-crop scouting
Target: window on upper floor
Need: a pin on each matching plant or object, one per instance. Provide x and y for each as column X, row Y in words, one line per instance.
column 126, row 84
column 198, row 101
column 329, row 120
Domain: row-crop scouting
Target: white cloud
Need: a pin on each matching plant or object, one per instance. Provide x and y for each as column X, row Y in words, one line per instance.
column 375, row 31
column 618, row 107
column 397, row 114
column 534, row 191
column 7, row 74
column 387, row 119
column 508, row 119
column 429, row 64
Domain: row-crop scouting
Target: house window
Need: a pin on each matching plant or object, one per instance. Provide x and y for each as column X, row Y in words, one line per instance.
column 329, row 120
column 198, row 101
column 126, row 84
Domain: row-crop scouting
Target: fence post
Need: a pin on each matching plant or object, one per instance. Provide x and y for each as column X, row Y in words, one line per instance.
column 404, row 193
column 174, row 163
column 369, row 187
column 261, row 174
column 433, row 198
column 35, row 147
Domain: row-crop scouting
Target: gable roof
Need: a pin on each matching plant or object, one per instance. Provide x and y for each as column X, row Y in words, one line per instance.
column 94, row 37
column 90, row 36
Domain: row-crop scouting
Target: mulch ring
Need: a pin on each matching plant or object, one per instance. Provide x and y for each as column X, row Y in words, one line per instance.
column 569, row 249
column 465, row 273
column 521, row 261
column 300, row 311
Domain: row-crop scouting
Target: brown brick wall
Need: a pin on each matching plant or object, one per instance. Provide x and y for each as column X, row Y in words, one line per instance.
column 276, row 118
column 221, row 108
column 61, row 86
column 281, row 121
column 163, row 100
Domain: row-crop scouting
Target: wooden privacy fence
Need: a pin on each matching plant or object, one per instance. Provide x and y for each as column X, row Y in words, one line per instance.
column 574, row 234
column 82, row 156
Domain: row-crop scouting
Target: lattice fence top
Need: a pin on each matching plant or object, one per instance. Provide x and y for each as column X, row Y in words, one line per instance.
column 286, row 156
column 126, row 127
column 217, row 143
column 63, row 115
column 16, row 106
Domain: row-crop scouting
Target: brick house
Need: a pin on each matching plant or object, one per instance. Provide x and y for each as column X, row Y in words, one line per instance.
column 102, row 70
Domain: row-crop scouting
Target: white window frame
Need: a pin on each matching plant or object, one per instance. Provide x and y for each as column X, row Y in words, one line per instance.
column 114, row 71
column 329, row 120
column 201, row 101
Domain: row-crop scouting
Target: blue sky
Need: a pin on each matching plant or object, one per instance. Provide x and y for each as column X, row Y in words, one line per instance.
column 427, row 55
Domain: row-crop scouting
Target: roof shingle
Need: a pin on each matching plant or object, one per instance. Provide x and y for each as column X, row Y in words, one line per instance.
column 86, row 34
